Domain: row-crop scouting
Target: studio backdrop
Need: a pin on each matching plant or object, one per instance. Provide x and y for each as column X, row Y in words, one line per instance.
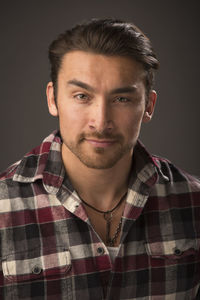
column 28, row 27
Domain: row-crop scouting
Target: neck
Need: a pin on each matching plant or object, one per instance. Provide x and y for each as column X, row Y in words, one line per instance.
column 93, row 185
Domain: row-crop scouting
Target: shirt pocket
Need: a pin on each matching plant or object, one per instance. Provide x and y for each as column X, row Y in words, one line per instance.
column 29, row 266
column 174, row 264
column 173, row 249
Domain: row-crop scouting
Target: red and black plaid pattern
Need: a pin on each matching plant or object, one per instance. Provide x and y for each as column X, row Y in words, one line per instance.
column 50, row 251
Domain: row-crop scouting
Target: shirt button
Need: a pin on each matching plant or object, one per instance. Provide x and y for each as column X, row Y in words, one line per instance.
column 177, row 252
column 36, row 270
column 100, row 251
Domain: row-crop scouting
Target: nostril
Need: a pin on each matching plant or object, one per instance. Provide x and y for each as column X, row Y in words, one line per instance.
column 92, row 127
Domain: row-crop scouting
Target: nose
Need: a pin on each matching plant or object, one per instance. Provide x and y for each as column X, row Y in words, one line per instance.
column 101, row 117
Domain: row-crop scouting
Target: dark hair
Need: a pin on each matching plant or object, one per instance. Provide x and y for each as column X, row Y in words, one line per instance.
column 107, row 37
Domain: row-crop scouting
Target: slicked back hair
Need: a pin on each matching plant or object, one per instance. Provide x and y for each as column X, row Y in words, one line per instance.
column 109, row 37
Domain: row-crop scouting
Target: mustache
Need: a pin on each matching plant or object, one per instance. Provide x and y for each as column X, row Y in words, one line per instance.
column 101, row 136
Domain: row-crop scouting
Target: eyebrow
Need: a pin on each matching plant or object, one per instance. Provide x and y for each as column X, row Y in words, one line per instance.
column 120, row 90
column 124, row 90
column 81, row 84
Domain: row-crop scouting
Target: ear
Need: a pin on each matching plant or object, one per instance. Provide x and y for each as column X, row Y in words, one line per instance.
column 150, row 106
column 53, row 110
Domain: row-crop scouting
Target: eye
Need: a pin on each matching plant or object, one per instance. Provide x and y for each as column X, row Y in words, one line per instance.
column 81, row 96
column 122, row 99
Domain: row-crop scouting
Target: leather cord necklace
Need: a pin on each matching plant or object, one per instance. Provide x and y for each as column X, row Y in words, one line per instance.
column 108, row 214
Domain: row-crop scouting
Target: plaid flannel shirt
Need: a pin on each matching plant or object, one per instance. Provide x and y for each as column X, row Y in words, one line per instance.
column 49, row 249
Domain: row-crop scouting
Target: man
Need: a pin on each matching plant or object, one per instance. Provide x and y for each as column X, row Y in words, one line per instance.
column 90, row 213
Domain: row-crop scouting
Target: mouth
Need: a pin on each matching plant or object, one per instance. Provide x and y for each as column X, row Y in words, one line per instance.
column 100, row 143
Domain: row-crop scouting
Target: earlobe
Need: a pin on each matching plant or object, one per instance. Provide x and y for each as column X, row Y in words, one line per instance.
column 147, row 117
column 51, row 100
column 150, row 106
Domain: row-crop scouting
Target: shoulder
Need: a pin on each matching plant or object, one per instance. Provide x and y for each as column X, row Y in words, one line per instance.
column 32, row 165
column 176, row 176
column 166, row 172
column 9, row 172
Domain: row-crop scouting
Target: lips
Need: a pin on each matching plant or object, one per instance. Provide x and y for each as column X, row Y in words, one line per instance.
column 100, row 143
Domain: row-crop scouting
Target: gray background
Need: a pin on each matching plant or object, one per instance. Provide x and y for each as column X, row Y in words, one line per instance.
column 27, row 28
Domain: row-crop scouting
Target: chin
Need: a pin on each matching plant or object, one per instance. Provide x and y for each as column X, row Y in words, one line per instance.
column 102, row 161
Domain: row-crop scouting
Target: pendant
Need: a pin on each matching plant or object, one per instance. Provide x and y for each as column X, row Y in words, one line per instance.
column 108, row 217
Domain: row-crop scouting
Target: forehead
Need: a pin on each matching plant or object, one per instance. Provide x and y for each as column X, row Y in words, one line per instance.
column 99, row 68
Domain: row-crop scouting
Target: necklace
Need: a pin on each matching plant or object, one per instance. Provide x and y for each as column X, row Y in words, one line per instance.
column 110, row 241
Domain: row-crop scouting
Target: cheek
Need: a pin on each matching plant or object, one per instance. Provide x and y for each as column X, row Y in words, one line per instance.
column 132, row 124
column 72, row 120
column 133, row 119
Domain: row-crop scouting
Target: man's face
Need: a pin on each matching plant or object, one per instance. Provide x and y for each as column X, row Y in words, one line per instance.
column 101, row 104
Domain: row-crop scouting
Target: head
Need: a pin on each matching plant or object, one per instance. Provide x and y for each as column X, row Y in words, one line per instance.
column 108, row 37
column 101, row 90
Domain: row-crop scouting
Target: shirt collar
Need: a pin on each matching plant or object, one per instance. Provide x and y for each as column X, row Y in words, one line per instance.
column 43, row 162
